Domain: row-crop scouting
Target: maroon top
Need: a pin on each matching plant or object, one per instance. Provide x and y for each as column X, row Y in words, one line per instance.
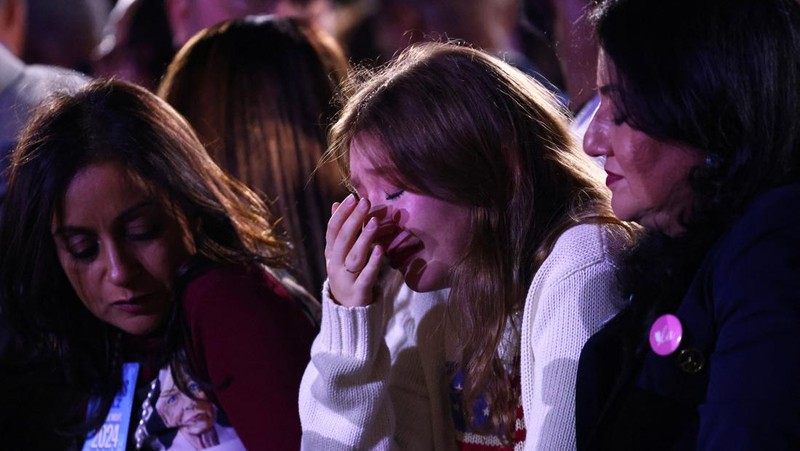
column 248, row 335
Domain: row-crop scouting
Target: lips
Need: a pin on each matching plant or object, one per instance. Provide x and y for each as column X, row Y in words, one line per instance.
column 402, row 249
column 612, row 178
column 135, row 305
column 202, row 416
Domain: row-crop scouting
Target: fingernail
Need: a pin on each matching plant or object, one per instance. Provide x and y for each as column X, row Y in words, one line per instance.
column 350, row 199
column 363, row 204
column 372, row 224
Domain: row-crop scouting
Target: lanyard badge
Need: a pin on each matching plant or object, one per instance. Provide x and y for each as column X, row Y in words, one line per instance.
column 113, row 434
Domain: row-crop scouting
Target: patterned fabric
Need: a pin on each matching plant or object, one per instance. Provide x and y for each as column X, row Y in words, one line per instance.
column 468, row 438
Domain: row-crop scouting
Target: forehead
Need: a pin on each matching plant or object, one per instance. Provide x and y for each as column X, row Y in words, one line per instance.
column 100, row 188
column 368, row 158
column 107, row 178
column 165, row 380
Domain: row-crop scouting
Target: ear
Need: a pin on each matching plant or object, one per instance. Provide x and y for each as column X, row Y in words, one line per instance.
column 178, row 17
column 13, row 21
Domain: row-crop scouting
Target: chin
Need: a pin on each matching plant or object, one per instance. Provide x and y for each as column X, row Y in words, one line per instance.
column 140, row 326
column 423, row 278
column 622, row 212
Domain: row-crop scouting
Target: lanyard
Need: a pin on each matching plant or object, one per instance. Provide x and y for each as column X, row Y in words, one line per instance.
column 113, row 434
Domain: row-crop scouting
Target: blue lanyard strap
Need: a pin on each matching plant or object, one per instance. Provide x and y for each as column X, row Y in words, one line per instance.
column 113, row 434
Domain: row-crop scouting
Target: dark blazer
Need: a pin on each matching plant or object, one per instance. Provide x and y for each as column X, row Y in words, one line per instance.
column 734, row 382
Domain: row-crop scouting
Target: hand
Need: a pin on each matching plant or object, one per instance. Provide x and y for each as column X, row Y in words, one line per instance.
column 351, row 251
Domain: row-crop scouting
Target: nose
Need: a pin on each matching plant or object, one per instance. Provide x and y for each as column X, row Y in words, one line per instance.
column 378, row 211
column 595, row 140
column 385, row 214
column 121, row 266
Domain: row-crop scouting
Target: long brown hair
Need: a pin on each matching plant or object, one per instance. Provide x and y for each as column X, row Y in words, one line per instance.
column 258, row 92
column 467, row 128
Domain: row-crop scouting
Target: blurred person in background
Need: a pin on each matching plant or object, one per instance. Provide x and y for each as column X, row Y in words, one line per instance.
column 488, row 25
column 187, row 17
column 267, row 87
column 64, row 33
column 136, row 44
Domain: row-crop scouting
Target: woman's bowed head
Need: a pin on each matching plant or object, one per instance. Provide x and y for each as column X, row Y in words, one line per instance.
column 649, row 178
column 110, row 194
column 688, row 135
column 102, row 216
column 120, row 244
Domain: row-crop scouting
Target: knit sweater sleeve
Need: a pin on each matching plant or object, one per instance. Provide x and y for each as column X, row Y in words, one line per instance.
column 375, row 379
column 344, row 395
column 572, row 295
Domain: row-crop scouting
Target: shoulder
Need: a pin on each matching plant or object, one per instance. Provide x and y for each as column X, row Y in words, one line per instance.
column 766, row 231
column 233, row 286
column 774, row 210
column 759, row 255
column 579, row 277
column 34, row 83
column 583, row 247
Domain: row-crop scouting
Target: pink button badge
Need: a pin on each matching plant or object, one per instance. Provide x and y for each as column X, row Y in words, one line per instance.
column 666, row 334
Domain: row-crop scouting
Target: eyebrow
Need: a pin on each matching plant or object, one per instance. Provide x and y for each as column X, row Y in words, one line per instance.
column 126, row 215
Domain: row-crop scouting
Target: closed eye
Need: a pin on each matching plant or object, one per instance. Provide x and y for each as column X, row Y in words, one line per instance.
column 395, row 195
column 143, row 232
column 80, row 246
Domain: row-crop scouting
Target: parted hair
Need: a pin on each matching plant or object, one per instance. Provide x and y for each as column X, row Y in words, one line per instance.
column 459, row 125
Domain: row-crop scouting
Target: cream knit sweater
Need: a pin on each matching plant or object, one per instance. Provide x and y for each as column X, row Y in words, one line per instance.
column 377, row 374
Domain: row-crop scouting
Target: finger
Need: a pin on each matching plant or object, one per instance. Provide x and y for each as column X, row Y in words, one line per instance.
column 369, row 274
column 359, row 252
column 338, row 216
column 348, row 232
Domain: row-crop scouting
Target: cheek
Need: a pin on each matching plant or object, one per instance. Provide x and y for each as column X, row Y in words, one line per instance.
column 639, row 160
column 171, row 414
column 661, row 172
column 81, row 279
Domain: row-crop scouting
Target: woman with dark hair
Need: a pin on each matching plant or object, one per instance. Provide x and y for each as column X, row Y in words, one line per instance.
column 466, row 183
column 122, row 241
column 698, row 126
column 268, row 85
